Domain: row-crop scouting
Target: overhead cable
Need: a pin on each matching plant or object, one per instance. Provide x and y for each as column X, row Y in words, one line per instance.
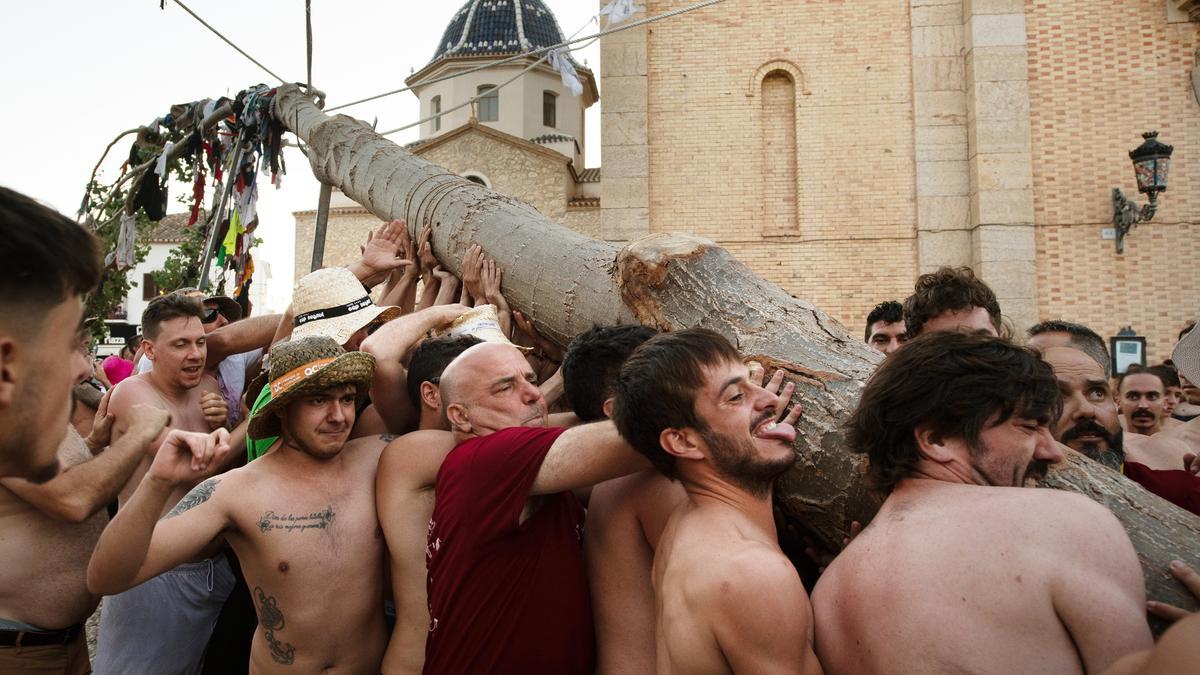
column 535, row 52
column 228, row 41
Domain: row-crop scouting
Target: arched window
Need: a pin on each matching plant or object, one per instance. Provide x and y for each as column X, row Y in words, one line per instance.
column 488, row 105
column 779, row 153
column 549, row 109
column 435, row 108
column 476, row 177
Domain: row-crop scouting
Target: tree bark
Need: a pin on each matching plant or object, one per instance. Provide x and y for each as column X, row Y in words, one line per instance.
column 567, row 283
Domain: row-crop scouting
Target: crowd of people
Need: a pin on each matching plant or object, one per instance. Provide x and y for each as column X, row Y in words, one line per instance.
column 423, row 483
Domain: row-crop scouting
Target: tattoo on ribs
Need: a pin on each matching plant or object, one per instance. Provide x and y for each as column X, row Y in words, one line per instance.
column 196, row 497
column 270, row 617
column 290, row 522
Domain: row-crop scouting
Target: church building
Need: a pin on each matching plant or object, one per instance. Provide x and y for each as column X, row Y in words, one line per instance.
column 842, row 148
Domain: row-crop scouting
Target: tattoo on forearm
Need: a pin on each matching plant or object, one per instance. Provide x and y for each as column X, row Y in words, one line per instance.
column 290, row 522
column 270, row 617
column 196, row 497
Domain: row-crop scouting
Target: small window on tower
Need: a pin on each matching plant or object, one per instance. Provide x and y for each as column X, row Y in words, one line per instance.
column 549, row 109
column 435, row 108
column 488, row 103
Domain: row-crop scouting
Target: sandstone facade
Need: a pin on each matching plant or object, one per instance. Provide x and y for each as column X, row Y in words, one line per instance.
column 842, row 148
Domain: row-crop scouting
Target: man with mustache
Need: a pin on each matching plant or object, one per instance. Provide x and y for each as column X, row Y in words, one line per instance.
column 1010, row 580
column 1140, row 396
column 1088, row 424
column 727, row 598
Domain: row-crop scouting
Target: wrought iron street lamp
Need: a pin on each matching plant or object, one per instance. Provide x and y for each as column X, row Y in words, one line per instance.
column 1151, row 160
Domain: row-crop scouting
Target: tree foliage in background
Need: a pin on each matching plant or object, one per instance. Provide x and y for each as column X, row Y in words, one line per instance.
column 103, row 217
column 182, row 266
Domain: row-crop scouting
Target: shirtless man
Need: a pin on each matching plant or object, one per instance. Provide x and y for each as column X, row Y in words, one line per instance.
column 962, row 570
column 47, row 264
column 49, row 531
column 1089, row 424
column 727, row 598
column 301, row 519
column 180, row 607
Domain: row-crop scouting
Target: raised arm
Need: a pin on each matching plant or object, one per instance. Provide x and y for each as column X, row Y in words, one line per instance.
column 401, row 287
column 380, row 255
column 584, row 456
column 79, row 491
column 136, row 545
column 388, row 345
column 404, row 498
column 251, row 333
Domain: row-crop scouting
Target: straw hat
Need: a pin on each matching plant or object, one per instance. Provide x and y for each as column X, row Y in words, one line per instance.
column 332, row 302
column 1186, row 355
column 483, row 323
column 308, row 365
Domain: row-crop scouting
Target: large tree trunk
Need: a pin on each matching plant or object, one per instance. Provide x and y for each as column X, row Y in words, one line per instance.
column 568, row 282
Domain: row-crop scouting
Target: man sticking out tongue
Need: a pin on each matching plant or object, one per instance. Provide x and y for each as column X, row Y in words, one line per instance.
column 727, row 598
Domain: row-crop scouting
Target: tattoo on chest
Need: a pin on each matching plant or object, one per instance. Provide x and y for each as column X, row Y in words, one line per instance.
column 196, row 497
column 293, row 522
column 270, row 617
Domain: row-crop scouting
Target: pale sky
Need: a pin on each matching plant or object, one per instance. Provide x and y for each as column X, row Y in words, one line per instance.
column 79, row 72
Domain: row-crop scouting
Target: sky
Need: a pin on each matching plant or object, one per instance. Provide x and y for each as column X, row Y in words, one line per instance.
column 79, row 72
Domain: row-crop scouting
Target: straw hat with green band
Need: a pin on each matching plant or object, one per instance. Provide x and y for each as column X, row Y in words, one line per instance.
column 306, row 366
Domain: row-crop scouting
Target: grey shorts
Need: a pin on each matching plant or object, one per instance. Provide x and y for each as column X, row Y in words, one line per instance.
column 163, row 625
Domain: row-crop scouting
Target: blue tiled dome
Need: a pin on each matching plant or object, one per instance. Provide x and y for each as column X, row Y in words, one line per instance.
column 498, row 27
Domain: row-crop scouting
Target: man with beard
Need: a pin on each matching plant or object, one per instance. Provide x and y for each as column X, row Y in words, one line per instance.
column 1089, row 425
column 508, row 590
column 1140, row 396
column 1030, row 580
column 727, row 598
column 301, row 519
column 47, row 264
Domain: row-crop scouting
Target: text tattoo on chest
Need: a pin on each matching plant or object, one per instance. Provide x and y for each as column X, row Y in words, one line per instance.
column 293, row 522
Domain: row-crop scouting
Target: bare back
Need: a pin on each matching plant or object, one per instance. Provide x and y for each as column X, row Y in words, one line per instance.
column 408, row 470
column 952, row 578
column 727, row 598
column 312, row 552
column 186, row 415
column 43, row 560
column 625, row 520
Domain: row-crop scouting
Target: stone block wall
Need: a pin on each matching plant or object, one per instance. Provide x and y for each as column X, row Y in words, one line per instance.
column 534, row 177
column 685, row 153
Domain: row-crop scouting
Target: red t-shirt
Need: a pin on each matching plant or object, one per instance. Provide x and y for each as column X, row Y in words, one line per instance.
column 1181, row 488
column 505, row 597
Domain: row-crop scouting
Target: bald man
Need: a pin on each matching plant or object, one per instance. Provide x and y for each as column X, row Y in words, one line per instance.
column 508, row 589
